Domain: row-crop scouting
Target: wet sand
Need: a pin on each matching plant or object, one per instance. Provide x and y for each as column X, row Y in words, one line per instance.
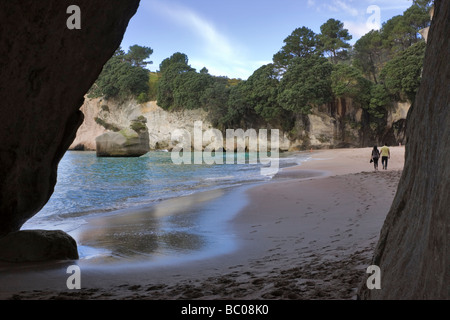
column 308, row 234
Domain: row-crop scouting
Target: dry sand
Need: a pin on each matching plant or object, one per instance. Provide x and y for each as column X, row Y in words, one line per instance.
column 298, row 238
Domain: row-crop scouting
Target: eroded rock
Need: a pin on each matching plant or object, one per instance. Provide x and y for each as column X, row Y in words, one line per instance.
column 128, row 142
column 37, row 245
column 413, row 250
column 45, row 71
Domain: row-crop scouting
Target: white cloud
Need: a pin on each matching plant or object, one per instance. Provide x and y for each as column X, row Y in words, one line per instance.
column 357, row 8
column 335, row 6
column 346, row 8
column 212, row 39
column 357, row 29
column 391, row 4
column 221, row 55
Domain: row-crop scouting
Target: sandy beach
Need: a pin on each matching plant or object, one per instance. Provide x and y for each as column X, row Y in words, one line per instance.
column 309, row 234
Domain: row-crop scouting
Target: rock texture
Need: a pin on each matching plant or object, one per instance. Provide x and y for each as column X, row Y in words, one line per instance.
column 37, row 245
column 413, row 250
column 335, row 125
column 45, row 70
column 128, row 142
column 90, row 129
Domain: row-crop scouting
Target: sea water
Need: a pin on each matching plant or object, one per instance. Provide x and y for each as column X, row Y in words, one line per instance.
column 148, row 207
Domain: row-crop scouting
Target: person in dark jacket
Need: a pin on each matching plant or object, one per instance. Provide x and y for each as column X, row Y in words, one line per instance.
column 374, row 157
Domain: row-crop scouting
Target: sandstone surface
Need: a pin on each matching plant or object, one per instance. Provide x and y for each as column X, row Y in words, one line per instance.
column 45, row 71
column 128, row 142
column 413, row 250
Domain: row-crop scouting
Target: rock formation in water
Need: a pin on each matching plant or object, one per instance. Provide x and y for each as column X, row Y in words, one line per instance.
column 413, row 250
column 128, row 142
column 45, row 70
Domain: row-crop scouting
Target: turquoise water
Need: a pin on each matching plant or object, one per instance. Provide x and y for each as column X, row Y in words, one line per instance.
column 148, row 206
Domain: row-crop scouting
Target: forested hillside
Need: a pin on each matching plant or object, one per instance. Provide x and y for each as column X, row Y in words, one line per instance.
column 311, row 73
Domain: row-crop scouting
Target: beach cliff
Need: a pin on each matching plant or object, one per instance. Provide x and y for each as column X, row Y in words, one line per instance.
column 45, row 71
column 413, row 251
column 334, row 125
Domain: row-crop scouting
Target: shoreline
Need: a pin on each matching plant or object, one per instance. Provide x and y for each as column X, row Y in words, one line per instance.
column 297, row 238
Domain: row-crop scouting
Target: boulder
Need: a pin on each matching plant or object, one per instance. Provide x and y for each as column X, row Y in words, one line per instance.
column 128, row 142
column 37, row 245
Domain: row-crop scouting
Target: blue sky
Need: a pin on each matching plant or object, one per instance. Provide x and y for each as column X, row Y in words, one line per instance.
column 233, row 38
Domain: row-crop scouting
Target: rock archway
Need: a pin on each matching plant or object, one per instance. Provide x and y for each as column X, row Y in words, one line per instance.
column 45, row 70
column 413, row 251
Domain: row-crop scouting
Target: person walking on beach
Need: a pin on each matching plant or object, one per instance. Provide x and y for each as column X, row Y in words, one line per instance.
column 375, row 156
column 385, row 155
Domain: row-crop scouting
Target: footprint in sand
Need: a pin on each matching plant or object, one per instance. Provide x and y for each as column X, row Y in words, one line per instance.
column 334, row 236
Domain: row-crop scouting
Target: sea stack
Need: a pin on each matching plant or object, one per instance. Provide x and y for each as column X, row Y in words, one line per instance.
column 128, row 142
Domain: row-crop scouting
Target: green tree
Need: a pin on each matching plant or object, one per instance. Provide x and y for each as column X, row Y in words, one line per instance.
column 377, row 108
column 302, row 42
column 368, row 54
column 240, row 110
column 417, row 18
column 402, row 31
column 178, row 61
column 120, row 79
column 215, row 100
column 348, row 82
column 137, row 56
column 189, row 88
column 305, row 84
column 402, row 75
column 333, row 38
column 170, row 69
column 263, row 91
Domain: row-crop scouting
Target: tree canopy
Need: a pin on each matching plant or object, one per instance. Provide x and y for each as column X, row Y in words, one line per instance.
column 302, row 43
column 306, row 84
column 402, row 75
column 123, row 75
column 368, row 54
column 309, row 70
column 137, row 56
column 333, row 39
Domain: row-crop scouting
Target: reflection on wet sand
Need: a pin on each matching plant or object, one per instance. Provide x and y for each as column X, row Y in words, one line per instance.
column 174, row 226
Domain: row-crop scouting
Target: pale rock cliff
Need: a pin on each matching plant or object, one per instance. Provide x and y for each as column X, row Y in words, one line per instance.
column 90, row 129
column 162, row 124
column 112, row 115
column 334, row 125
